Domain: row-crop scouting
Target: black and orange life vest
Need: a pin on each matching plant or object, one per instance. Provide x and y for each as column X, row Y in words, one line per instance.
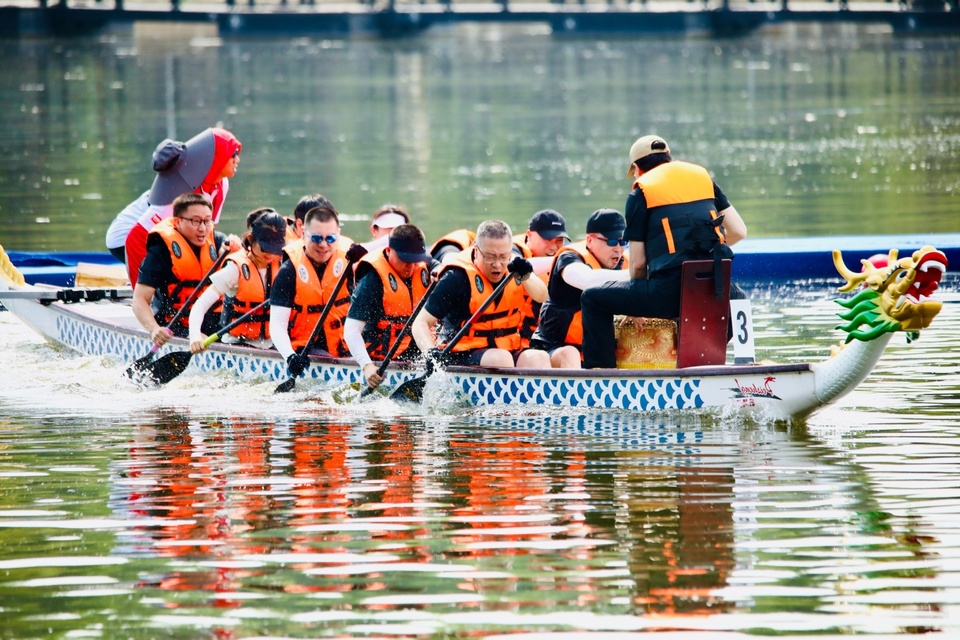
column 251, row 291
column 497, row 327
column 398, row 303
column 188, row 269
column 312, row 294
column 683, row 222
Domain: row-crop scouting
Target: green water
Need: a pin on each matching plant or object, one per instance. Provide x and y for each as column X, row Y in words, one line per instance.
column 809, row 131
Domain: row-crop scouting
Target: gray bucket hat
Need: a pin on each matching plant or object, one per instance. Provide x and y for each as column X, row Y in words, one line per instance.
column 181, row 166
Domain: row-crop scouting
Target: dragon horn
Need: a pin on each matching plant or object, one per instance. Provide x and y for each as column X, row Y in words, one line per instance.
column 853, row 279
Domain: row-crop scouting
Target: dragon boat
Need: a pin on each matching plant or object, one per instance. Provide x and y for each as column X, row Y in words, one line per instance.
column 887, row 296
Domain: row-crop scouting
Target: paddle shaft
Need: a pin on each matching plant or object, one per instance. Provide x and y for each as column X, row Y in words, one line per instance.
column 476, row 314
column 169, row 366
column 289, row 383
column 234, row 324
column 413, row 389
column 326, row 310
column 193, row 294
column 400, row 336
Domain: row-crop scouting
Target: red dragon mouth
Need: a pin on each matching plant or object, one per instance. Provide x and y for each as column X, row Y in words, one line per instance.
column 929, row 270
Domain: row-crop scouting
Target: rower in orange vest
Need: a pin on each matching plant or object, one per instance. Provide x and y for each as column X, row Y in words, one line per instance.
column 546, row 233
column 243, row 283
column 466, row 282
column 390, row 284
column 305, row 284
column 588, row 263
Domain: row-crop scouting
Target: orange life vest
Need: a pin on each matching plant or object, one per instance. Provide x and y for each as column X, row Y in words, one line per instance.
column 311, row 296
column 398, row 303
column 497, row 327
column 461, row 239
column 251, row 291
column 188, row 270
column 564, row 324
column 530, row 311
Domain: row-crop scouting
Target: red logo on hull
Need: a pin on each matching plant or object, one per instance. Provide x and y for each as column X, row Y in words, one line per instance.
column 764, row 390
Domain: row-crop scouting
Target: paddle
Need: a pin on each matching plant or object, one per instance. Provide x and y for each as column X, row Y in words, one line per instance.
column 288, row 384
column 412, row 390
column 144, row 361
column 170, row 365
column 400, row 336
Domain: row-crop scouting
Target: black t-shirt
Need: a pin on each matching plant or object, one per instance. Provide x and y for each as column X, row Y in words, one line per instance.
column 450, row 301
column 366, row 303
column 637, row 215
column 563, row 294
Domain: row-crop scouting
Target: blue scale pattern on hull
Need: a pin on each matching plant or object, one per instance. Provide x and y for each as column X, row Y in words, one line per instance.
column 645, row 395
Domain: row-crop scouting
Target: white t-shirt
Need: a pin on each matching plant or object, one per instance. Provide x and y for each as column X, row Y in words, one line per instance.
column 226, row 282
column 121, row 225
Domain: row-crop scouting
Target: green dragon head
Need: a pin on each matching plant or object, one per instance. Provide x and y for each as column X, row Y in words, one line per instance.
column 895, row 296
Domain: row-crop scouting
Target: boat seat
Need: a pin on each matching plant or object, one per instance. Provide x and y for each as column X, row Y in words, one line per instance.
column 704, row 317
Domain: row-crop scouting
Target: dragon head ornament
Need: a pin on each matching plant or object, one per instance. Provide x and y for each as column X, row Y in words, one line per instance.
column 894, row 297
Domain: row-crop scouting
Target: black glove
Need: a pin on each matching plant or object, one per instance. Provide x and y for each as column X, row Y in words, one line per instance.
column 296, row 363
column 520, row 267
column 355, row 252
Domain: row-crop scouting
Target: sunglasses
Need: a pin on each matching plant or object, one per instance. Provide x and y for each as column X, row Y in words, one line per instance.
column 612, row 242
column 316, row 238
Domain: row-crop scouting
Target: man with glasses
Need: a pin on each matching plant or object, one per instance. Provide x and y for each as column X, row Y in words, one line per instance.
column 466, row 281
column 589, row 263
column 305, row 284
column 675, row 212
column 180, row 252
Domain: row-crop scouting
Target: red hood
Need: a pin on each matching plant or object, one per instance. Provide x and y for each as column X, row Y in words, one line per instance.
column 226, row 145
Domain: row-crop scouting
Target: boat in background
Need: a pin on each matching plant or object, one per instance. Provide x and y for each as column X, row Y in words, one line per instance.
column 756, row 258
column 890, row 295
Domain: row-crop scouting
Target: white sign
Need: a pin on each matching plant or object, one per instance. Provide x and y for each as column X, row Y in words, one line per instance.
column 743, row 349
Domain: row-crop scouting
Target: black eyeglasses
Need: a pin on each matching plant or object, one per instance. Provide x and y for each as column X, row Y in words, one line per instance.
column 611, row 242
column 316, row 238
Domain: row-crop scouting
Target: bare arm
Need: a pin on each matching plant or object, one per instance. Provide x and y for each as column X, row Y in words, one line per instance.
column 535, row 288
column 422, row 330
column 638, row 260
column 142, row 297
column 734, row 228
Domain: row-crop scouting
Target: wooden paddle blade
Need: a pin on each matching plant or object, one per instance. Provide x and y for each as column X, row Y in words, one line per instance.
column 286, row 386
column 411, row 390
column 167, row 367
